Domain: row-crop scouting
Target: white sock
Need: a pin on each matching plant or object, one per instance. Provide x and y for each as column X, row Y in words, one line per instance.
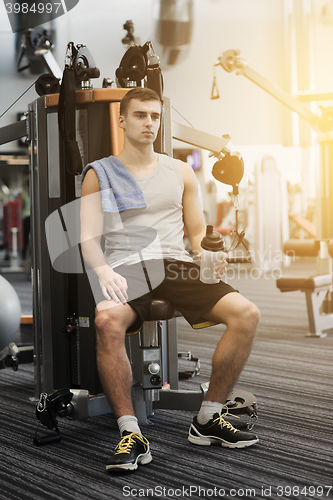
column 128, row 423
column 207, row 410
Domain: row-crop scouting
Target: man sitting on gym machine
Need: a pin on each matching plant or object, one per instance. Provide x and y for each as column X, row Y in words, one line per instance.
column 170, row 191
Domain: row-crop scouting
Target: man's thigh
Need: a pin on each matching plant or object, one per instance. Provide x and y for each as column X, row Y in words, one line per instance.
column 123, row 313
column 228, row 308
column 190, row 296
column 140, row 280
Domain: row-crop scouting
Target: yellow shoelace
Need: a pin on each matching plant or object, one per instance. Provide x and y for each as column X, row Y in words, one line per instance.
column 223, row 423
column 128, row 441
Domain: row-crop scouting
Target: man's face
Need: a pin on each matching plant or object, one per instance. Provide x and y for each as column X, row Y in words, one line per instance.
column 142, row 121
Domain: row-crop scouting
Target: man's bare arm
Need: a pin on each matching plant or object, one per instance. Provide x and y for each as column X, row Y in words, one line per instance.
column 193, row 214
column 92, row 220
column 192, row 211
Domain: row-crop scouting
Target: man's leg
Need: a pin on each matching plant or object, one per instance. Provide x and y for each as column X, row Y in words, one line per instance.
column 111, row 322
column 241, row 317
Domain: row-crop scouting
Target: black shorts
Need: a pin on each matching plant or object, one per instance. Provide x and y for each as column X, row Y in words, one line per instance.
column 175, row 281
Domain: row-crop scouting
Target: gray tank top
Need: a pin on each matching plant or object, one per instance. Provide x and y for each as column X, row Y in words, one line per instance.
column 153, row 232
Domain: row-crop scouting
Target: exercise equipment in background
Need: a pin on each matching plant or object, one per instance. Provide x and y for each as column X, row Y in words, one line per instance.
column 317, row 288
column 10, row 313
column 322, row 124
column 229, row 169
column 173, row 30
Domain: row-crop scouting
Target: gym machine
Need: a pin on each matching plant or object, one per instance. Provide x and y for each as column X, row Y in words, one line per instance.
column 66, row 131
column 318, row 289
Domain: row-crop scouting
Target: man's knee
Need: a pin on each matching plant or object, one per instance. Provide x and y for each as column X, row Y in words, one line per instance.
column 251, row 315
column 110, row 323
column 242, row 314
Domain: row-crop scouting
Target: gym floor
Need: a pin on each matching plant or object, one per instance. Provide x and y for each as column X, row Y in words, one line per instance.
column 290, row 375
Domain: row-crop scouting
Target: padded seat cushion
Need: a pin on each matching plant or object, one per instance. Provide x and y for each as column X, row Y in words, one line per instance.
column 161, row 310
column 291, row 283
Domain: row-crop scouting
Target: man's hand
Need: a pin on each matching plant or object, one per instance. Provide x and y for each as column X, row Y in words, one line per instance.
column 113, row 285
column 220, row 269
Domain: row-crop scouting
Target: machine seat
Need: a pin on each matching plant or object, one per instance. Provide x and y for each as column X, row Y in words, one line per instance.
column 303, row 283
column 162, row 310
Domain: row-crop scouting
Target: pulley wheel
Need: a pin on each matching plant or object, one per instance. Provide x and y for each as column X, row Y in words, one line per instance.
column 47, row 84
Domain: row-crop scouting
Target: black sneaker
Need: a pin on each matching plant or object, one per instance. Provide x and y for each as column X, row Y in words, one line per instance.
column 132, row 450
column 220, row 431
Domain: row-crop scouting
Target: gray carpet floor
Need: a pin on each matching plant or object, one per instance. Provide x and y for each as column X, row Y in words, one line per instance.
column 291, row 376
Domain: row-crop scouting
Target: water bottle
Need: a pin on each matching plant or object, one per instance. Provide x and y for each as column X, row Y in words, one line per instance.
column 212, row 249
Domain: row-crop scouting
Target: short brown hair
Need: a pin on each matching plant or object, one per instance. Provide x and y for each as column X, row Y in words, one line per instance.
column 141, row 94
